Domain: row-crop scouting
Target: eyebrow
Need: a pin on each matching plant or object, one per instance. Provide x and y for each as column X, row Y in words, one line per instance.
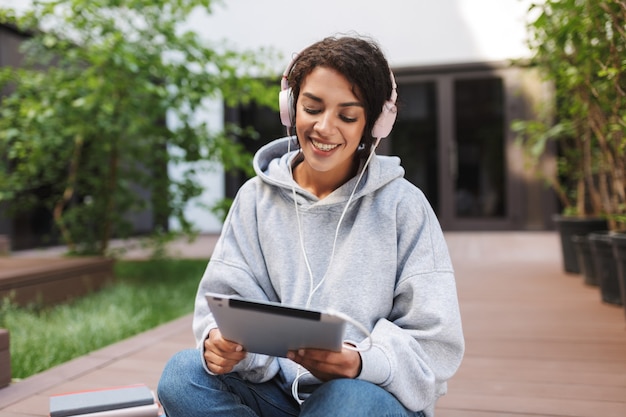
column 319, row 100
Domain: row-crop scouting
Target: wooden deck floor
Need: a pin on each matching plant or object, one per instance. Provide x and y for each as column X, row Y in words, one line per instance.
column 539, row 342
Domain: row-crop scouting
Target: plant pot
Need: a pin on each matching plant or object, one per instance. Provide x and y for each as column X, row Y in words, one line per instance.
column 606, row 267
column 618, row 240
column 569, row 226
column 582, row 247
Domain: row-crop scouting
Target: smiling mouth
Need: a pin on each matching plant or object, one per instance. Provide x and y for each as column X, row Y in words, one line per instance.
column 323, row 146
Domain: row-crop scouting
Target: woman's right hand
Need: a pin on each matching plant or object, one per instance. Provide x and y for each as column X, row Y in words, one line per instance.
column 221, row 355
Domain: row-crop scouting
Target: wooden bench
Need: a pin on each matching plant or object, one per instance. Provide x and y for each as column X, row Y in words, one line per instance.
column 4, row 245
column 5, row 359
column 46, row 281
column 52, row 280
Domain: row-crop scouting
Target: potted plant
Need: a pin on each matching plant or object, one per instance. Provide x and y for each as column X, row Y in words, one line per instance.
column 604, row 112
column 579, row 47
column 565, row 56
column 584, row 255
column 618, row 242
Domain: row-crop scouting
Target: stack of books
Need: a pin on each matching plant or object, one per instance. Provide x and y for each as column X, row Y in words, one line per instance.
column 126, row 401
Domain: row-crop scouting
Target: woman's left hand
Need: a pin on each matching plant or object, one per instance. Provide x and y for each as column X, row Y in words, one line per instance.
column 326, row 365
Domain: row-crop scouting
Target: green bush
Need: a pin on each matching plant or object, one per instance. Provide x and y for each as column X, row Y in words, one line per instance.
column 107, row 98
column 145, row 294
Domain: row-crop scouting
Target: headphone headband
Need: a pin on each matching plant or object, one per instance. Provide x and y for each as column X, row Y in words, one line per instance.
column 382, row 126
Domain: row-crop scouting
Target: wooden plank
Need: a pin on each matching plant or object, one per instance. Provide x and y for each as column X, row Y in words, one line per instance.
column 521, row 348
column 4, row 245
column 572, row 389
column 538, row 341
column 533, row 371
column 445, row 412
column 5, row 359
column 541, row 406
column 50, row 281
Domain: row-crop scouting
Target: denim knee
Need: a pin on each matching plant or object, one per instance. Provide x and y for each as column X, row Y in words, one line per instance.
column 187, row 390
column 178, row 371
column 350, row 397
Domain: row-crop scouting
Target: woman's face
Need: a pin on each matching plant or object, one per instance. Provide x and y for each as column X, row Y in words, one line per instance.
column 329, row 124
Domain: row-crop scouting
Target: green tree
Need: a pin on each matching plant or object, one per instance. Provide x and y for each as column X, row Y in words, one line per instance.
column 107, row 97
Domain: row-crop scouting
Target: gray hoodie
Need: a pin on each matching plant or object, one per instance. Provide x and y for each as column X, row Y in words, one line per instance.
column 390, row 271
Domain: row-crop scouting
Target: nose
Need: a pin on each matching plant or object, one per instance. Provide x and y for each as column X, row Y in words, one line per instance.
column 325, row 124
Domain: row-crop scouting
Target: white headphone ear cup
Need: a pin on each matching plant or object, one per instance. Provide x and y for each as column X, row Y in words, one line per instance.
column 285, row 106
column 384, row 123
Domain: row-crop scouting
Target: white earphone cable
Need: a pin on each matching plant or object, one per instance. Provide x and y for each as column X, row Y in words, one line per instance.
column 347, row 344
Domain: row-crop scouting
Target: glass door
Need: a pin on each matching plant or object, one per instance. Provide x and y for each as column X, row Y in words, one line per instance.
column 415, row 136
column 477, row 160
column 453, row 138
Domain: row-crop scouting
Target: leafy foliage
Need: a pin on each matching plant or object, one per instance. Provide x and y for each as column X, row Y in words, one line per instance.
column 106, row 99
column 580, row 46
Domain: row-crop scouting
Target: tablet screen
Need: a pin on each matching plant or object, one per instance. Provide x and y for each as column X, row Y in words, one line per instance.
column 275, row 309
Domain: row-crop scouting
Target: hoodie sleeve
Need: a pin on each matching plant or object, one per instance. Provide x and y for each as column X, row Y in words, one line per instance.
column 236, row 267
column 419, row 346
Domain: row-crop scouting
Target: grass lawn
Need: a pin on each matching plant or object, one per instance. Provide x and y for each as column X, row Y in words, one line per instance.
column 144, row 295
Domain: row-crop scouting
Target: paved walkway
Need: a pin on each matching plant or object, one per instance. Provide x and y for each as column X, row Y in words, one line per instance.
column 539, row 342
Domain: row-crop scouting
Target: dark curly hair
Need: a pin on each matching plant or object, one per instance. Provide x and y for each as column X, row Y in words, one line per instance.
column 358, row 59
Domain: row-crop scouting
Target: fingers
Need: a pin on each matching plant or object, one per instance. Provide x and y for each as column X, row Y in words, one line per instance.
column 221, row 355
column 326, row 365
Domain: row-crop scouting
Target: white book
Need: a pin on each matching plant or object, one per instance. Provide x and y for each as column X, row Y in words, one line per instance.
column 102, row 400
column 141, row 411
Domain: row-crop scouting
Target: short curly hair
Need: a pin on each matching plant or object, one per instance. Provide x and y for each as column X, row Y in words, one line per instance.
column 358, row 59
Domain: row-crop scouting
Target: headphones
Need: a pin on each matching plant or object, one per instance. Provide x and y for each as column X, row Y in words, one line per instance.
column 382, row 127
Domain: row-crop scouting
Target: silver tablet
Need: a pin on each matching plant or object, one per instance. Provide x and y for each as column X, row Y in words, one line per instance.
column 272, row 328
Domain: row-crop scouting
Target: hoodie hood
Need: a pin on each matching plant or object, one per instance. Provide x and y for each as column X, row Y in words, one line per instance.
column 271, row 164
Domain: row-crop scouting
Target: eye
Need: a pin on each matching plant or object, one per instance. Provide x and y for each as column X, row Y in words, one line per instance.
column 348, row 119
column 310, row 110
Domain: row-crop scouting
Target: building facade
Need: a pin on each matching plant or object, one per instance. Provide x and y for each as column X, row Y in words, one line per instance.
column 458, row 87
column 458, row 91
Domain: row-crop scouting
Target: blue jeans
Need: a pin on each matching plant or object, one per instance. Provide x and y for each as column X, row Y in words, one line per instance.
column 186, row 390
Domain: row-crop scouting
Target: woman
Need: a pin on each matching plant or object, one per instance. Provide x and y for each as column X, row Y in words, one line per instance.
column 327, row 223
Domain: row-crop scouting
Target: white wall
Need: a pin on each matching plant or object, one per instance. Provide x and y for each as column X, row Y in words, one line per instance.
column 210, row 175
column 411, row 32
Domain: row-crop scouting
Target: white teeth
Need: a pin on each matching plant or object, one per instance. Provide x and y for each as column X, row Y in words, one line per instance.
column 323, row 146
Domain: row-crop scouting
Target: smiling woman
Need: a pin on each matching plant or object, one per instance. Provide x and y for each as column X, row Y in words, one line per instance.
column 327, row 224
